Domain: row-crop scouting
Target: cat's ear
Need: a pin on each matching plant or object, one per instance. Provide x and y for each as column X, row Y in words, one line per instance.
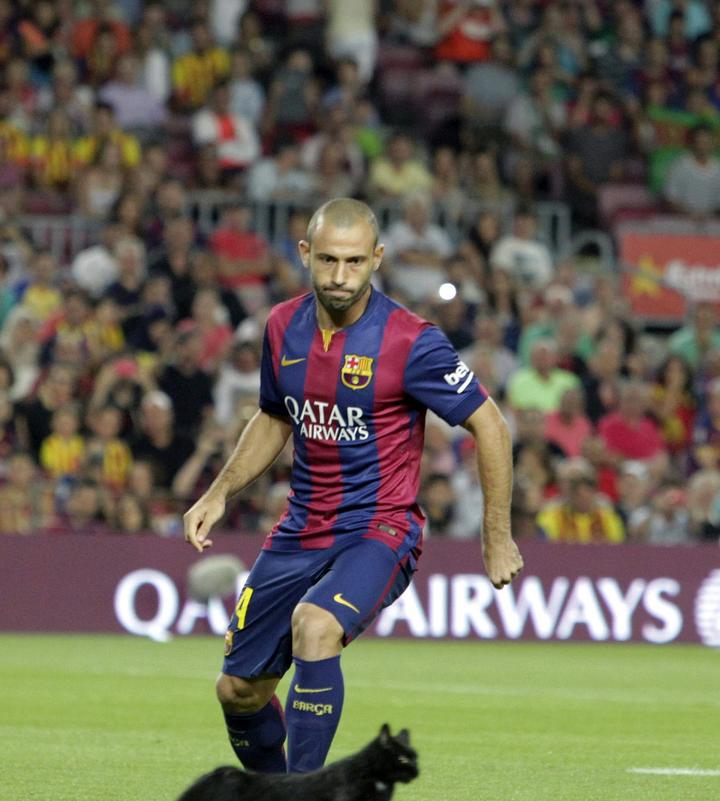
column 384, row 735
column 403, row 737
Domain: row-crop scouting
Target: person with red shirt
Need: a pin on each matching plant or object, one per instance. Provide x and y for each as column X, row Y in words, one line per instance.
column 629, row 433
column 466, row 29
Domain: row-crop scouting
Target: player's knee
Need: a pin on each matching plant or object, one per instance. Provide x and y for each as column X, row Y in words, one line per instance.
column 316, row 633
column 241, row 696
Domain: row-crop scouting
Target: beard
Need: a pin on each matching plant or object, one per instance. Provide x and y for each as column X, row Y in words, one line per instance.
column 339, row 303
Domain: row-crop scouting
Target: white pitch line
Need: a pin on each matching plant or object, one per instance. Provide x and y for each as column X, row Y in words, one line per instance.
column 674, row 771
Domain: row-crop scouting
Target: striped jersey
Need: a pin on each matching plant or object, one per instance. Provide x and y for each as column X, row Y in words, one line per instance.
column 356, row 399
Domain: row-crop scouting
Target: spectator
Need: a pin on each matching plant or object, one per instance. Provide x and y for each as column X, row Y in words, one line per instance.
column 596, row 156
column 62, row 452
column 693, row 182
column 41, row 297
column 437, row 500
column 293, row 98
column 568, row 427
column 56, row 388
column 706, row 432
column 76, row 100
column 581, row 514
column 417, row 250
column 633, row 501
column 210, row 320
column 26, row 501
column 196, row 73
column 106, row 448
column 100, row 185
column 104, row 129
column 672, row 404
column 243, row 256
column 399, row 173
column 174, row 261
column 280, row 178
column 528, row 260
column 351, row 33
column 332, row 179
column 491, row 86
column 188, row 387
column 629, row 433
column 134, row 105
column 131, row 516
column 83, row 511
column 51, row 154
column 234, row 136
column 239, row 377
column 703, row 503
column 699, row 336
column 542, row 384
column 158, row 442
column 247, row 97
column 466, row 30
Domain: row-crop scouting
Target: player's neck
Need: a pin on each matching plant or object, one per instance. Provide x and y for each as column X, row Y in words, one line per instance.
column 335, row 321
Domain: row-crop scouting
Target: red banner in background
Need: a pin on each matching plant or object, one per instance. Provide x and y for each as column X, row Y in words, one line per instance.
column 662, row 272
column 595, row 593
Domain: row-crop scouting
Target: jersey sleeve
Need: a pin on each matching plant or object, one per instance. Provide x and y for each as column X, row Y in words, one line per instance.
column 270, row 398
column 436, row 378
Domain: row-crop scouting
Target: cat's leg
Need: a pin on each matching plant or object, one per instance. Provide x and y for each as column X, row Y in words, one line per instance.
column 254, row 720
column 315, row 699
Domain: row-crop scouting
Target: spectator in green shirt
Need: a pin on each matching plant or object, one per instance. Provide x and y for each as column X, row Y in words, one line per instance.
column 543, row 383
column 701, row 335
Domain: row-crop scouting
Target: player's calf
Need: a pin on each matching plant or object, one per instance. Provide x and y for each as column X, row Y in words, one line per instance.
column 254, row 721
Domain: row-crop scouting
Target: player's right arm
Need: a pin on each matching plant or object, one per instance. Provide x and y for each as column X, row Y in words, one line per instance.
column 258, row 447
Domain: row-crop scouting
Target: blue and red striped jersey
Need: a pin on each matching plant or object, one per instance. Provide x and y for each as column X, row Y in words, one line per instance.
column 357, row 399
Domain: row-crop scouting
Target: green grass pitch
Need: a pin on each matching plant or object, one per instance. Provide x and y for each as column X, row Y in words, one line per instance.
column 106, row 718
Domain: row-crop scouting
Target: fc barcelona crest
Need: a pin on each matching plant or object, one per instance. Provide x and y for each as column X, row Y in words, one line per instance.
column 357, row 371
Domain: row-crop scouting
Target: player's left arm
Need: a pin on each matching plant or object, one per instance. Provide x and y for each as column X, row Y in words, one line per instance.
column 494, row 458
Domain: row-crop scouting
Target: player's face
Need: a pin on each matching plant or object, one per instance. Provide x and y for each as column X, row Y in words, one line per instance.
column 341, row 261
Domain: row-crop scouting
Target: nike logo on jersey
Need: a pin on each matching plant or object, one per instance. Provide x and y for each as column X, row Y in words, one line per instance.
column 340, row 600
column 299, row 689
column 285, row 362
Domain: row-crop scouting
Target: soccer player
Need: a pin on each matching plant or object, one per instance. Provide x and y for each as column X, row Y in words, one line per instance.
column 349, row 374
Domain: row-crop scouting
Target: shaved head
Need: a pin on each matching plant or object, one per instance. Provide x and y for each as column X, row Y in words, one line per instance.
column 343, row 212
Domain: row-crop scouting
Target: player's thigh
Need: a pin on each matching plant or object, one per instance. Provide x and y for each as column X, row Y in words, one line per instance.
column 363, row 579
column 258, row 641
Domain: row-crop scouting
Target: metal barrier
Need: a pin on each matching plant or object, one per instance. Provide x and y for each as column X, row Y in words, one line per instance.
column 66, row 235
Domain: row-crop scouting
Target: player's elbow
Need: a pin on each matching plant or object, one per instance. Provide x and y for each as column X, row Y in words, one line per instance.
column 487, row 417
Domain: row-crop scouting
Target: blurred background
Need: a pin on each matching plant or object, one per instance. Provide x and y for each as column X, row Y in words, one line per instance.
column 547, row 182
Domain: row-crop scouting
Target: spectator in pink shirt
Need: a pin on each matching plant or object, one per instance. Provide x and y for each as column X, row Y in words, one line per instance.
column 569, row 426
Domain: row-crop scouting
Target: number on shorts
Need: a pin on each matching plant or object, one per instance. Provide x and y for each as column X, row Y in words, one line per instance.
column 242, row 606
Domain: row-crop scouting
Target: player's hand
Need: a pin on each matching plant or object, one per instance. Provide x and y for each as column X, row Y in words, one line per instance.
column 502, row 561
column 200, row 518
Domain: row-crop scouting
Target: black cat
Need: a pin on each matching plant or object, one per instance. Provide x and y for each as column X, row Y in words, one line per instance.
column 368, row 775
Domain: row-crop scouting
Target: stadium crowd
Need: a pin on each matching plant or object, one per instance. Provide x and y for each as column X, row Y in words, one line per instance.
column 129, row 365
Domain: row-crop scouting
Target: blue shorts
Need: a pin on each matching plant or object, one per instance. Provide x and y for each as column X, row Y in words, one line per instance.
column 354, row 581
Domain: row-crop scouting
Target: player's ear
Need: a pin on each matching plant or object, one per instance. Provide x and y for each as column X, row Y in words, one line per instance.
column 378, row 254
column 304, row 251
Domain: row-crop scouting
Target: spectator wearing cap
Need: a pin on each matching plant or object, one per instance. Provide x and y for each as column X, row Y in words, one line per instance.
column 540, row 385
column 522, row 255
column 158, row 441
column 692, row 186
column 581, row 514
column 194, row 74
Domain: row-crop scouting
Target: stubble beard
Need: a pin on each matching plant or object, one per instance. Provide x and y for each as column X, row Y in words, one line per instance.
column 335, row 305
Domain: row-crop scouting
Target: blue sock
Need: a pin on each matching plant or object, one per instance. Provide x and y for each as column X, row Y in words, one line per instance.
column 312, row 711
column 257, row 739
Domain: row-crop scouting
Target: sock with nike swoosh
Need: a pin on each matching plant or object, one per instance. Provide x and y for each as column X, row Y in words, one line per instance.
column 312, row 712
column 258, row 738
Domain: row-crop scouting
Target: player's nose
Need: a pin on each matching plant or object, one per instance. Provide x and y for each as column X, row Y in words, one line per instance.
column 339, row 275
